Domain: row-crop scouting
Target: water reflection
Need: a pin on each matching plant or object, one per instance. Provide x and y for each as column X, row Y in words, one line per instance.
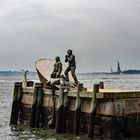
column 23, row 133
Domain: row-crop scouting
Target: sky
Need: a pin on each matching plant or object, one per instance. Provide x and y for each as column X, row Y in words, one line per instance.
column 100, row 33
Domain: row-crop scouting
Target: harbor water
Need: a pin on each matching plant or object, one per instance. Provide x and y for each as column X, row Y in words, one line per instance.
column 21, row 132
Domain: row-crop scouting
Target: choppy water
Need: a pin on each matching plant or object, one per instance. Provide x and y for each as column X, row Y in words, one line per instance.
column 8, row 132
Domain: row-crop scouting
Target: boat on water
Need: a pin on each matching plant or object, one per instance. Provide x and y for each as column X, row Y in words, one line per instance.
column 67, row 109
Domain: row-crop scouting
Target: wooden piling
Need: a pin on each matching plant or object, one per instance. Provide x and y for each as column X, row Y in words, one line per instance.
column 77, row 110
column 101, row 85
column 39, row 105
column 29, row 84
column 64, row 112
column 36, row 106
column 62, row 108
column 93, row 111
column 52, row 122
column 53, row 112
column 16, row 103
column 59, row 112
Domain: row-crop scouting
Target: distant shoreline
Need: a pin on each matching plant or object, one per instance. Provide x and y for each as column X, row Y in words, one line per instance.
column 113, row 73
column 10, row 72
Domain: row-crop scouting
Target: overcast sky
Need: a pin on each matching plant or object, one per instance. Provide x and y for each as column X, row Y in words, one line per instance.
column 99, row 32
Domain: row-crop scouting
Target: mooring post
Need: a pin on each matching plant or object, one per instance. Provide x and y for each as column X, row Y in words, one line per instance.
column 39, row 104
column 52, row 122
column 77, row 110
column 93, row 109
column 53, row 110
column 34, row 105
column 101, row 85
column 64, row 112
column 59, row 112
column 17, row 95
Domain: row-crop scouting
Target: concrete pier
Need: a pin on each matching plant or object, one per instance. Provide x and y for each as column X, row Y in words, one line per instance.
column 96, row 111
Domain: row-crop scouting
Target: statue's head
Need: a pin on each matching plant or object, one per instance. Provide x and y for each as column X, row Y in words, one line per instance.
column 69, row 52
column 57, row 58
